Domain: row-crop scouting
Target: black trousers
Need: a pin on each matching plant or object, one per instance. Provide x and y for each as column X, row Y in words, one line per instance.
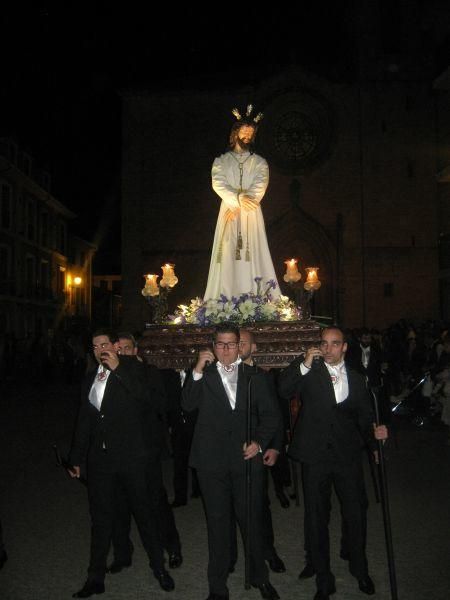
column 104, row 486
column 280, row 472
column 159, row 504
column 181, row 446
column 268, row 537
column 348, row 481
column 224, row 496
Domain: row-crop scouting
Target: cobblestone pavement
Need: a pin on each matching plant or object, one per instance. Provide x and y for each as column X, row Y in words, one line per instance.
column 46, row 522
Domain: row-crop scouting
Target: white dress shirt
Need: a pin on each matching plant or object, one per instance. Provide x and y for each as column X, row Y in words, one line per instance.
column 97, row 390
column 229, row 376
column 338, row 374
column 365, row 355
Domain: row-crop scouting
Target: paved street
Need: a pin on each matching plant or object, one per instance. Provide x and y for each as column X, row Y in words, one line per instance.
column 46, row 523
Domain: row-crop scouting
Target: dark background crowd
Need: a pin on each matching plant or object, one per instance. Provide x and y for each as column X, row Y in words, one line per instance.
column 408, row 367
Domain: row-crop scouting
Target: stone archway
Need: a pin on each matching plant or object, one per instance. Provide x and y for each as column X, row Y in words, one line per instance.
column 296, row 234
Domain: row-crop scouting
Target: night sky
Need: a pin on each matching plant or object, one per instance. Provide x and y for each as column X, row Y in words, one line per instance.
column 63, row 68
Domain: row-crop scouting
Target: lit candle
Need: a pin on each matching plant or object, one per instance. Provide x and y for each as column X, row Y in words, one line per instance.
column 151, row 286
column 292, row 273
column 169, row 279
column 312, row 281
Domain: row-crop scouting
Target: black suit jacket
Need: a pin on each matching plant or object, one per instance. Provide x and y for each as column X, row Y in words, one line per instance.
column 322, row 422
column 119, row 428
column 155, row 409
column 220, row 432
column 373, row 370
column 278, row 440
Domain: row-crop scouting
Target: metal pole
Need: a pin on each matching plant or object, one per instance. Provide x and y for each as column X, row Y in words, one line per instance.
column 385, row 506
column 248, row 488
column 292, row 463
column 373, row 476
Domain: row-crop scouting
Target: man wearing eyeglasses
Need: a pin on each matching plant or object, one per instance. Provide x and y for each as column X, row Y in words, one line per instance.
column 335, row 419
column 218, row 388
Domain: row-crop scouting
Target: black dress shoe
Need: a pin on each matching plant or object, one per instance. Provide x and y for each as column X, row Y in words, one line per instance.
column 321, row 595
column 308, row 571
column 175, row 559
column 164, row 579
column 284, row 500
column 3, row 558
column 217, row 597
column 117, row 566
column 89, row 589
column 366, row 586
column 267, row 591
column 276, row 564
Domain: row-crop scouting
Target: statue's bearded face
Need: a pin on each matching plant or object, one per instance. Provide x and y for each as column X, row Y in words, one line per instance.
column 245, row 136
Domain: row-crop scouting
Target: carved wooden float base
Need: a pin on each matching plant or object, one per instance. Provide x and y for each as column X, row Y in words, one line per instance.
column 177, row 346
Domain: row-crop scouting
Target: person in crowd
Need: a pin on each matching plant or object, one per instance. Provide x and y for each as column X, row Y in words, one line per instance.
column 110, row 439
column 336, row 416
column 366, row 358
column 155, row 431
column 441, row 380
column 181, row 425
column 247, row 348
column 218, row 388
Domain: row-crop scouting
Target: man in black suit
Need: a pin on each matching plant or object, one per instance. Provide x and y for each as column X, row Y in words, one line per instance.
column 367, row 358
column 218, row 388
column 155, row 430
column 247, row 348
column 336, row 417
column 110, row 438
column 182, row 425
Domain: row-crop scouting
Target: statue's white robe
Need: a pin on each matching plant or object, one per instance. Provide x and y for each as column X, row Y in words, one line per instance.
column 233, row 277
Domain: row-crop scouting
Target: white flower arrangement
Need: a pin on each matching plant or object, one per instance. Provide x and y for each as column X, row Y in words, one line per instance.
column 246, row 308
